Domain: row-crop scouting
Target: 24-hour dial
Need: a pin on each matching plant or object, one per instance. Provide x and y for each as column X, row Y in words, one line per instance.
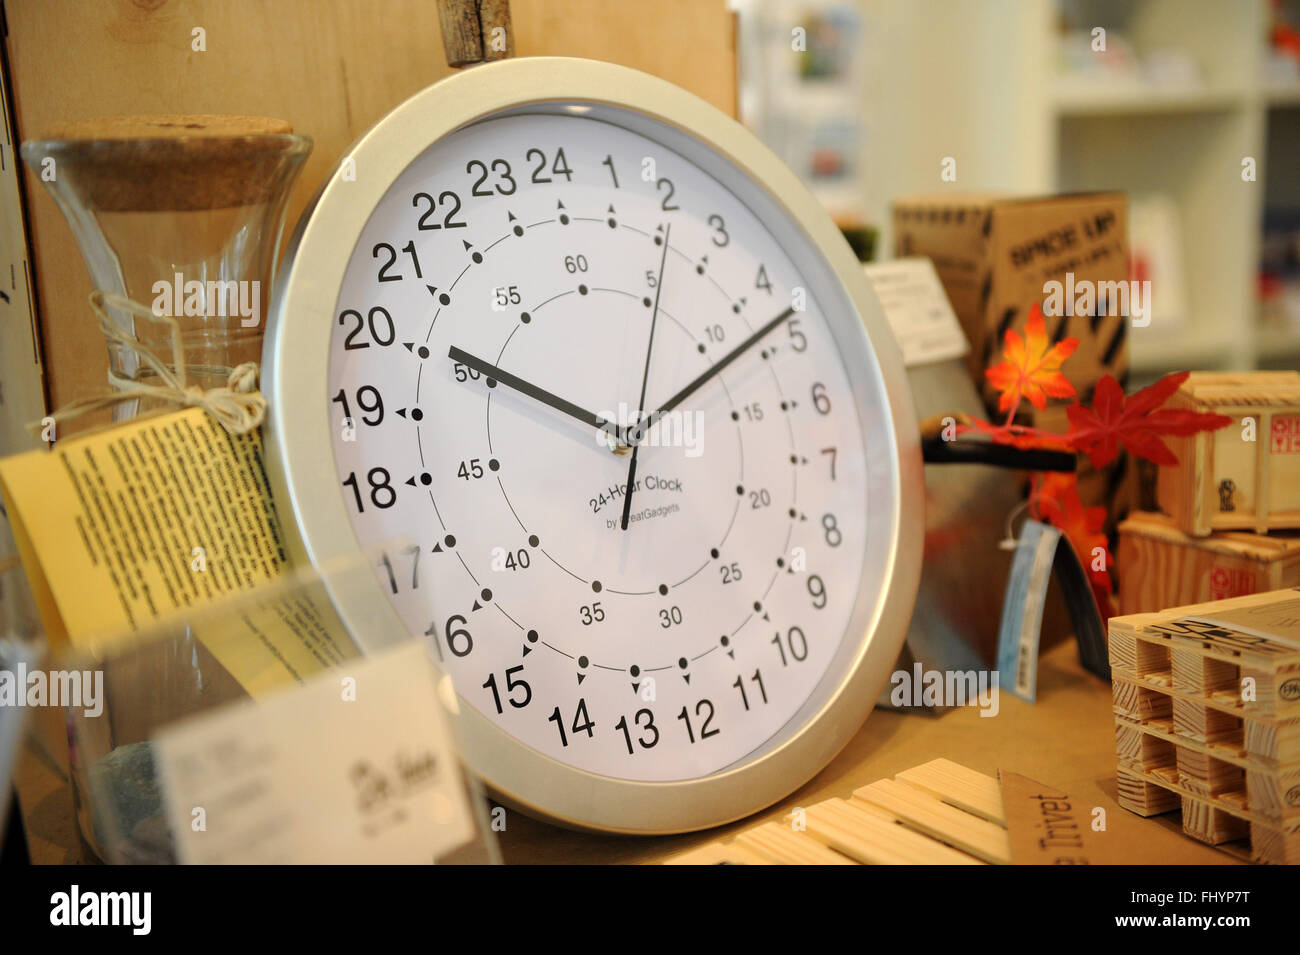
column 594, row 393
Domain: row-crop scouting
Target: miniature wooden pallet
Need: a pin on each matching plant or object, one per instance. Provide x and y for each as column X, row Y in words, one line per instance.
column 939, row 813
column 1188, row 736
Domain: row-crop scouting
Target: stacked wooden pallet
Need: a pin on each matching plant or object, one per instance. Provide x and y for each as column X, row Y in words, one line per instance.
column 1207, row 719
column 937, row 813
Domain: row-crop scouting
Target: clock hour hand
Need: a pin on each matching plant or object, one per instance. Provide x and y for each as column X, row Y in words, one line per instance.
column 637, row 434
column 532, row 391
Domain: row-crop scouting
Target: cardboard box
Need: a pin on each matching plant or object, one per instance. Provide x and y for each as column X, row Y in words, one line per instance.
column 1244, row 476
column 1160, row 566
column 994, row 256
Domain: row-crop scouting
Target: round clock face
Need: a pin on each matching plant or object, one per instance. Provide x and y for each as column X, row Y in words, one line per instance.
column 613, row 430
column 569, row 255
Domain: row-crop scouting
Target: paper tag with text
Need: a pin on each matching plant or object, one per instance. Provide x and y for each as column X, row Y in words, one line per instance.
column 918, row 310
column 150, row 522
column 355, row 766
column 1041, row 554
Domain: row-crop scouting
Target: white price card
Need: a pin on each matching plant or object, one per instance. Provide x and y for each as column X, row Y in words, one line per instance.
column 918, row 310
column 357, row 765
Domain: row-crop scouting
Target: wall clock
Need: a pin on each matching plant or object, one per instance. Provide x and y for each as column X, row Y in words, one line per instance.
column 655, row 621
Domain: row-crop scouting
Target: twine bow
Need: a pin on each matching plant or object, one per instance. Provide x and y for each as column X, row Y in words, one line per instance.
column 238, row 406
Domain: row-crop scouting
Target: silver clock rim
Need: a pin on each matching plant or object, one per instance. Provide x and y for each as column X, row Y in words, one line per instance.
column 316, row 527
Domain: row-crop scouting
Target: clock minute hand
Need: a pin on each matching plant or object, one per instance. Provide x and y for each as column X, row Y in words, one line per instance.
column 637, row 434
column 532, row 391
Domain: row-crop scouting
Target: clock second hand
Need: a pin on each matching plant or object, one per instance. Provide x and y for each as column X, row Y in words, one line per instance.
column 634, row 434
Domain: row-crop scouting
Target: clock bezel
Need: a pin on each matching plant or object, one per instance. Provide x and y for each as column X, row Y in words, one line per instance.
column 311, row 503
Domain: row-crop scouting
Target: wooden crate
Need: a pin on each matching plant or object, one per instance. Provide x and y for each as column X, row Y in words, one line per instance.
column 1161, row 566
column 1191, row 734
column 1224, row 481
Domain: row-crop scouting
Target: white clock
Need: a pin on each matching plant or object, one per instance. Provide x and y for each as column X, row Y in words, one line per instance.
column 601, row 360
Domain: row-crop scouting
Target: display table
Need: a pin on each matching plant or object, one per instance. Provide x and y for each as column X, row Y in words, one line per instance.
column 1066, row 740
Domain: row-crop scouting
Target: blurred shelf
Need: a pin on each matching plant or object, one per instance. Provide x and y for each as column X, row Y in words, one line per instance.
column 1282, row 94
column 1277, row 343
column 1076, row 98
column 1185, row 352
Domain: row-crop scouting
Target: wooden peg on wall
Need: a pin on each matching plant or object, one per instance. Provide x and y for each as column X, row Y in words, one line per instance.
column 474, row 31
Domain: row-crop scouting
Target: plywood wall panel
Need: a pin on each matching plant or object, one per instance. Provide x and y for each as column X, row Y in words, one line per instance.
column 331, row 68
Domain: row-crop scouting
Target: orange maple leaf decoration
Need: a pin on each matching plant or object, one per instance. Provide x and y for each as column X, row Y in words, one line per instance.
column 1031, row 367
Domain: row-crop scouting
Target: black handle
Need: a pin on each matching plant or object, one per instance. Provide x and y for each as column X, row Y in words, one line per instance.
column 934, row 450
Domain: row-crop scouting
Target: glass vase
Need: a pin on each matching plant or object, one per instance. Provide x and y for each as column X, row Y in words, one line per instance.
column 182, row 214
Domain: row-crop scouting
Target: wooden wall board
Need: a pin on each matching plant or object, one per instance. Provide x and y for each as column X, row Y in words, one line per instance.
column 331, row 68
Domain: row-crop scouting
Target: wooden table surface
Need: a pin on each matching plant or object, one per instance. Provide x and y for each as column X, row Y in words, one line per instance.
column 1066, row 740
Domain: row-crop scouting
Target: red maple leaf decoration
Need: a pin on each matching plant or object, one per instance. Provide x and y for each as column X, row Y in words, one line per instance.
column 1136, row 422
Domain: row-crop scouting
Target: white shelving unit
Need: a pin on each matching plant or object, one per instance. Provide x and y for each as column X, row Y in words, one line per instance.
column 982, row 82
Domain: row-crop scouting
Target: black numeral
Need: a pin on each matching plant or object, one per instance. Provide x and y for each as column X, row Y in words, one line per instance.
column 414, row 552
column 832, row 529
column 458, row 638
column 795, row 642
column 819, row 399
column 667, row 205
column 649, row 728
column 445, row 198
column 560, row 167
column 817, row 588
column 501, row 168
column 757, row 679
column 511, row 685
column 382, row 331
column 382, row 494
column 584, row 727
column 704, row 708
column 374, row 405
column 720, row 237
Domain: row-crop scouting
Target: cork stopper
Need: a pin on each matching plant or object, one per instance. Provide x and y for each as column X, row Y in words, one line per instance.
column 173, row 162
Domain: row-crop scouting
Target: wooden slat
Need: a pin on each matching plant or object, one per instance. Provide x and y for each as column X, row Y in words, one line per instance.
column 867, row 837
column 958, row 786
column 929, row 815
column 787, row 847
column 715, row 853
column 1208, row 824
